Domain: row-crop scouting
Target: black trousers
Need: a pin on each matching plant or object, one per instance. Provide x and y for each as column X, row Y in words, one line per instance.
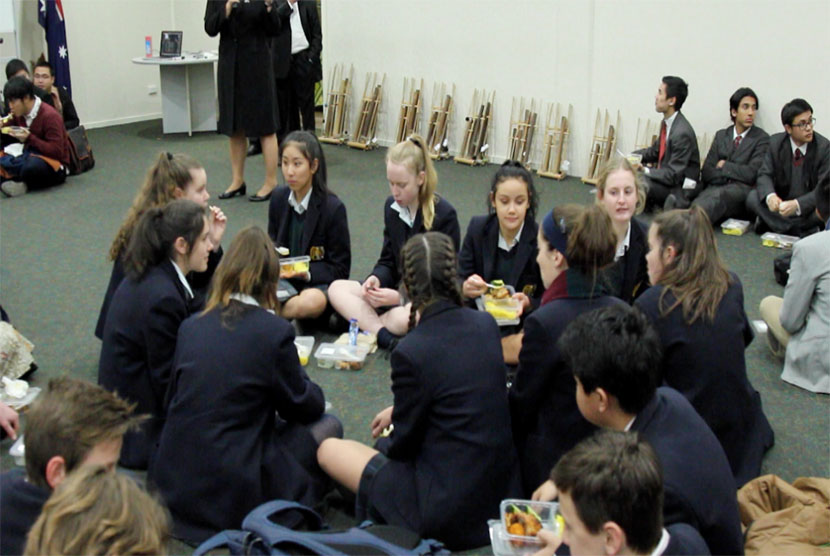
column 295, row 95
column 36, row 173
column 723, row 201
column 793, row 225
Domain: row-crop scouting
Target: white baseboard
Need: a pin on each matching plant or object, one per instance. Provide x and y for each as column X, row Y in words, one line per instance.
column 121, row 121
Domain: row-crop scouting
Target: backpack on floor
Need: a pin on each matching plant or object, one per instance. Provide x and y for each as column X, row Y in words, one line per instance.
column 261, row 535
column 781, row 268
column 80, row 153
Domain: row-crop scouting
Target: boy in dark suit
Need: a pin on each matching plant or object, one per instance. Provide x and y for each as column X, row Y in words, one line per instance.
column 611, row 497
column 615, row 356
column 798, row 159
column 731, row 167
column 73, row 423
column 44, row 77
column 674, row 154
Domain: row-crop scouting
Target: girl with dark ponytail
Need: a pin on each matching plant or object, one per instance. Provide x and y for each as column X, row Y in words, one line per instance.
column 413, row 208
column 575, row 244
column 145, row 313
column 697, row 307
column 502, row 246
column 434, row 474
column 172, row 176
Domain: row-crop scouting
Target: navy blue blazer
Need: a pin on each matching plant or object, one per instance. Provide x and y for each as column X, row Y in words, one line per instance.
column 634, row 268
column 199, row 282
column 478, row 256
column 222, row 440
column 20, row 506
column 137, row 351
column 325, row 234
column 546, row 420
column 698, row 486
column 684, row 540
column 705, row 362
column 396, row 233
column 452, row 436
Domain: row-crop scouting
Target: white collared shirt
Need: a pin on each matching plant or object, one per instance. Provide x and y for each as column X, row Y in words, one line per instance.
column 735, row 133
column 301, row 207
column 662, row 545
column 298, row 40
column 630, row 424
column 182, row 279
column 30, row 117
column 622, row 249
column 503, row 242
column 247, row 300
column 802, row 148
column 403, row 212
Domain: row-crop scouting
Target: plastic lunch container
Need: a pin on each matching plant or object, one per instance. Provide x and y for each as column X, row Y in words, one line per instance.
column 505, row 544
column 304, row 346
column 341, row 356
column 19, row 403
column 294, row 265
column 505, row 311
column 18, row 451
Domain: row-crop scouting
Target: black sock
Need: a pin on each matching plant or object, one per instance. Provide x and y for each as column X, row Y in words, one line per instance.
column 386, row 338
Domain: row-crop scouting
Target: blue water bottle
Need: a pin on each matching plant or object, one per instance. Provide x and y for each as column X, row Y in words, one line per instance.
column 353, row 332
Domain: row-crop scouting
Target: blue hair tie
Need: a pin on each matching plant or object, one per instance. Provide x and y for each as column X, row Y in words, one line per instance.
column 555, row 233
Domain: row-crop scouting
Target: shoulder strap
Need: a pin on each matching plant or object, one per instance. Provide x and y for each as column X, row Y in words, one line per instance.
column 264, row 516
column 235, row 541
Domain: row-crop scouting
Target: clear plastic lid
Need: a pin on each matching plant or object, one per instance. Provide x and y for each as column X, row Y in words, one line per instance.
column 505, row 310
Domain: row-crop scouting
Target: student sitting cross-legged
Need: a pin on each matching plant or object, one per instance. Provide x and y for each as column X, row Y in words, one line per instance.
column 243, row 418
column 73, row 423
column 611, row 499
column 614, row 354
column 449, row 460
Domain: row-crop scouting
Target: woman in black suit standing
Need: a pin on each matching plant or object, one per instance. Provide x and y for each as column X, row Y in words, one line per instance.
column 146, row 311
column 450, row 459
column 243, row 418
column 245, row 77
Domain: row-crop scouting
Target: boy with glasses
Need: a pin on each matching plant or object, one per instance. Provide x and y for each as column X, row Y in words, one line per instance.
column 798, row 159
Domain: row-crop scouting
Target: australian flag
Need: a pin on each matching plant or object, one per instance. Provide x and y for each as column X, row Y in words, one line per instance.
column 50, row 16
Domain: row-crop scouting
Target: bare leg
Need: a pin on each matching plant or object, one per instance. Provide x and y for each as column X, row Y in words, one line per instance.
column 309, row 304
column 270, row 151
column 396, row 320
column 511, row 346
column 239, row 144
column 344, row 460
column 346, row 296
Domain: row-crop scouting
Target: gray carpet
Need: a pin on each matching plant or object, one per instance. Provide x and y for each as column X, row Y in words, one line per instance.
column 54, row 270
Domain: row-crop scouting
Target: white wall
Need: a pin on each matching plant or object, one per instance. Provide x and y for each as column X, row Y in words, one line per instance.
column 590, row 53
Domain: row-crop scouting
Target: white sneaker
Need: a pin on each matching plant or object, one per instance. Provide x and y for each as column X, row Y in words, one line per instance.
column 13, row 188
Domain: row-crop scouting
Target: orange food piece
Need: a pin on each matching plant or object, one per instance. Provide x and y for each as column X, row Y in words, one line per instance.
column 516, row 529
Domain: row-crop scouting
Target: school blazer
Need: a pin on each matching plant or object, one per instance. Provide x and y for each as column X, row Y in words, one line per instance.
column 222, row 438
column 635, row 269
column 742, row 164
column 697, row 482
column 452, row 422
column 325, row 234
column 137, row 351
column 805, row 313
column 775, row 175
column 396, row 233
column 199, row 283
column 478, row 256
column 546, row 420
column 705, row 362
column 681, row 159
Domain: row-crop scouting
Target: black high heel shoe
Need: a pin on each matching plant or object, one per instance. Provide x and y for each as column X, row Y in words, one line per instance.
column 239, row 191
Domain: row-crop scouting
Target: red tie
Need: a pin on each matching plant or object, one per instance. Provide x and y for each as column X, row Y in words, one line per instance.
column 662, row 143
column 738, row 141
column 798, row 157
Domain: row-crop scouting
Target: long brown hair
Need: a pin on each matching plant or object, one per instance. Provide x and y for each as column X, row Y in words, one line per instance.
column 591, row 242
column 170, row 171
column 696, row 277
column 250, row 266
column 430, row 271
column 413, row 154
column 96, row 511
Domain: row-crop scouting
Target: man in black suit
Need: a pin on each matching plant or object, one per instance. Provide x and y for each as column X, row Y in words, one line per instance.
column 615, row 355
column 44, row 77
column 674, row 155
column 297, row 67
column 731, row 167
column 798, row 160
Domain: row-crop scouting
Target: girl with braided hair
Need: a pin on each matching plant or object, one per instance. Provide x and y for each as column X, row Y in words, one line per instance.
column 413, row 208
column 449, row 459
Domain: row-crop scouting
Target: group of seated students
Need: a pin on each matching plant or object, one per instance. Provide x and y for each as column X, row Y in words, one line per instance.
column 36, row 113
column 196, row 340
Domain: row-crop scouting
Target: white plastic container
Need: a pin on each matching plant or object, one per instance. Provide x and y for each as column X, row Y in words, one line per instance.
column 305, row 344
column 735, row 227
column 19, row 403
column 505, row 544
column 294, row 265
column 780, row 241
column 18, row 451
column 505, row 311
column 340, row 356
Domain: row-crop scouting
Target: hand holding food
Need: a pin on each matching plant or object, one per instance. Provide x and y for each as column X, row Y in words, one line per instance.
column 382, row 297
column 9, row 420
column 546, row 492
column 381, row 421
column 218, row 223
column 474, row 286
column 550, row 542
